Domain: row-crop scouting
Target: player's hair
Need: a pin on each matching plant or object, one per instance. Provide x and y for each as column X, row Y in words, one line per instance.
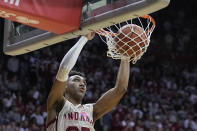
column 73, row 72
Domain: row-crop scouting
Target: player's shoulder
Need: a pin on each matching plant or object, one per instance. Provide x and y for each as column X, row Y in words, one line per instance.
column 89, row 105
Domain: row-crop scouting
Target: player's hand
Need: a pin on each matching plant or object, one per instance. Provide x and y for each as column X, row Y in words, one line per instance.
column 90, row 36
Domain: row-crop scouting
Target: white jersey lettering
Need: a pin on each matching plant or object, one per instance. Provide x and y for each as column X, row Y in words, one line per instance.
column 77, row 118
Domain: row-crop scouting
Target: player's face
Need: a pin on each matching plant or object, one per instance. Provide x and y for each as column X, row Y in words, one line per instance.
column 77, row 86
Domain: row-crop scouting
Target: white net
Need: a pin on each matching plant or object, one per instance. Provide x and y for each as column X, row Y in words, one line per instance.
column 128, row 40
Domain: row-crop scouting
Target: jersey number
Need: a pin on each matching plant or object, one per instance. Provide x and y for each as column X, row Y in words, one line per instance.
column 74, row 128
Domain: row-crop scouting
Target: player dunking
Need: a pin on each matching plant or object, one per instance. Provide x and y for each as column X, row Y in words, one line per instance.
column 64, row 109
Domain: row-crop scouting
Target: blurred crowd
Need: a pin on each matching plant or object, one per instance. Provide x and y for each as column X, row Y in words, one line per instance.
column 161, row 96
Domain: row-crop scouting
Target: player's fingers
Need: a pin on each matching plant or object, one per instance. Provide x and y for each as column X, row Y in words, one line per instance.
column 93, row 34
column 90, row 36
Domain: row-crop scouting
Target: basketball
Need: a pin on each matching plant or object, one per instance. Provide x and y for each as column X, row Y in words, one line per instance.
column 131, row 40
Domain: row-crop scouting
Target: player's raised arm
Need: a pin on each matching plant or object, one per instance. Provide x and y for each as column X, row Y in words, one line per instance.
column 111, row 98
column 56, row 98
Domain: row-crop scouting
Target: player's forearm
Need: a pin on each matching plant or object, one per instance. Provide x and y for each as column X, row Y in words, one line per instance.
column 123, row 76
column 111, row 98
column 70, row 59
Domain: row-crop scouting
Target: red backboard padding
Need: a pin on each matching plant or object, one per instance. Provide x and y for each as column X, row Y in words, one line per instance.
column 57, row 16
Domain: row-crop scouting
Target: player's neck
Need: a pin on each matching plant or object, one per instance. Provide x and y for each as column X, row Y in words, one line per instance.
column 75, row 103
column 72, row 100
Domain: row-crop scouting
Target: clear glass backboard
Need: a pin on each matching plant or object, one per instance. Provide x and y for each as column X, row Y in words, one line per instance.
column 20, row 39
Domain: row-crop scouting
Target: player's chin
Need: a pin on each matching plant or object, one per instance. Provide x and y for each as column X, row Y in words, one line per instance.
column 81, row 94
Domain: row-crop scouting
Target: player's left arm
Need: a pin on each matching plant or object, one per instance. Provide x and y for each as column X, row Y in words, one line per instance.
column 111, row 98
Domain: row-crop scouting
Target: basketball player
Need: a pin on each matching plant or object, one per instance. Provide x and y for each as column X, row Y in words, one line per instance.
column 64, row 109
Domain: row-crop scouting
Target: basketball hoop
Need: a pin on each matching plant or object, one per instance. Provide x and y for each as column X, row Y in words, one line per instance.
column 134, row 52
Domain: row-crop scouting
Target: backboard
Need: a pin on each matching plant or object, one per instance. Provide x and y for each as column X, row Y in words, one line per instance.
column 20, row 39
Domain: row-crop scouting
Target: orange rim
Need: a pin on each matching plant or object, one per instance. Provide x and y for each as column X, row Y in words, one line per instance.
column 103, row 32
column 152, row 20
